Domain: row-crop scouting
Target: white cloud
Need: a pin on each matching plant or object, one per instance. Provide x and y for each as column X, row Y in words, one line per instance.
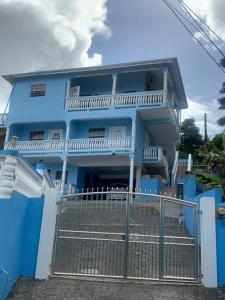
column 196, row 111
column 212, row 11
column 50, row 34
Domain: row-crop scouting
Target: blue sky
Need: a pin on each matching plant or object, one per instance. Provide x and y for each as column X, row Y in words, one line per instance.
column 88, row 32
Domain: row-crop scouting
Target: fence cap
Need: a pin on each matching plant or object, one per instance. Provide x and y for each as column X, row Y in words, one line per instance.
column 40, row 166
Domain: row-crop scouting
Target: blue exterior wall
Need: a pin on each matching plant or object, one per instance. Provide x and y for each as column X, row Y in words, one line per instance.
column 151, row 185
column 20, row 222
column 79, row 129
column 50, row 107
column 22, row 131
column 95, row 85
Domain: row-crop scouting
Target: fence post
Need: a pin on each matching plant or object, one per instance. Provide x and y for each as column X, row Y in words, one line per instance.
column 47, row 234
column 208, row 242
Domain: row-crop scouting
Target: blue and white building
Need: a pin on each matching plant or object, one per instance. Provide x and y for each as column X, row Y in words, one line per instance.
column 98, row 126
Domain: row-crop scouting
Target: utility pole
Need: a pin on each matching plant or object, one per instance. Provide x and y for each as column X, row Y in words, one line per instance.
column 205, row 127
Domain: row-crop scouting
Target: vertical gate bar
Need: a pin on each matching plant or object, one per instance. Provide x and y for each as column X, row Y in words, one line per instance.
column 127, row 235
column 196, row 258
column 56, row 238
column 161, row 239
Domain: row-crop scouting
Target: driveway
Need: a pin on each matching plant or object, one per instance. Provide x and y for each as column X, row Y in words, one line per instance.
column 56, row 288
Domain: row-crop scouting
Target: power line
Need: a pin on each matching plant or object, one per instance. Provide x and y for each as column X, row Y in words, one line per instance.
column 202, row 31
column 201, row 20
column 168, row 4
column 201, row 28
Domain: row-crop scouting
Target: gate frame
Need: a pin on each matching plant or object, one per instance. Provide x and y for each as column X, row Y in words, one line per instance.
column 130, row 195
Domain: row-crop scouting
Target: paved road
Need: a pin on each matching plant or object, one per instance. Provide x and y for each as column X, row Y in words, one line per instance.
column 57, row 289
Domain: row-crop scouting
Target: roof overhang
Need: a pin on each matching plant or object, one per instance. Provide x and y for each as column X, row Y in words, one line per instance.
column 170, row 63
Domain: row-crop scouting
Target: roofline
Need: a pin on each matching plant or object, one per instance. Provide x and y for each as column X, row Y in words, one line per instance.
column 10, row 77
column 165, row 61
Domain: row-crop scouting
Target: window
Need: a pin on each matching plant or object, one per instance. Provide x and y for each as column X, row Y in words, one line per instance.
column 36, row 135
column 56, row 134
column 38, row 90
column 96, row 133
column 58, row 176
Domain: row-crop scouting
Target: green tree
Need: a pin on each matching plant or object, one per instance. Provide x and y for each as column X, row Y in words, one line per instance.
column 221, row 102
column 214, row 157
column 191, row 139
column 218, row 141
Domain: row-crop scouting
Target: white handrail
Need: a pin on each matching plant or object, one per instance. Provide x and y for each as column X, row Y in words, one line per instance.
column 117, row 101
column 98, row 144
column 18, row 175
column 37, row 146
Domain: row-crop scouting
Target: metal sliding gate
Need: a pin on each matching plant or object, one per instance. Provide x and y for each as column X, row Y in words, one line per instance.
column 126, row 235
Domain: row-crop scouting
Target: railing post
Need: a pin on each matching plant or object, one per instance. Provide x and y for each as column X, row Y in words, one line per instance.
column 165, row 84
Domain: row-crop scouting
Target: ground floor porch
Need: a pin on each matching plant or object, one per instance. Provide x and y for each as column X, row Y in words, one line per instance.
column 74, row 174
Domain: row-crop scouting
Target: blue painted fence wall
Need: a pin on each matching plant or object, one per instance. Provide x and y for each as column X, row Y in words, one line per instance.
column 20, row 222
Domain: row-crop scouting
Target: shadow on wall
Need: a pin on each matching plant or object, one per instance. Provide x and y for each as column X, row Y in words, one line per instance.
column 20, row 223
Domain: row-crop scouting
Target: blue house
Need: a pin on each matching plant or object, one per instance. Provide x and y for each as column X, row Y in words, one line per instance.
column 104, row 126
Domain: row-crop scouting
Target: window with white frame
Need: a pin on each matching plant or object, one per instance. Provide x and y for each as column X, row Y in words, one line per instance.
column 38, row 90
column 96, row 133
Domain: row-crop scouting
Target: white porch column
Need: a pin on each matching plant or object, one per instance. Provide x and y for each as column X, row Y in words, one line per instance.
column 138, row 177
column 67, row 134
column 68, row 84
column 165, row 84
column 63, row 175
column 7, row 134
column 208, row 242
column 131, row 183
column 114, row 84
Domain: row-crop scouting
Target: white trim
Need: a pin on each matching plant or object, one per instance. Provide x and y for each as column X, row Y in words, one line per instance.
column 122, row 128
column 46, row 242
column 208, row 242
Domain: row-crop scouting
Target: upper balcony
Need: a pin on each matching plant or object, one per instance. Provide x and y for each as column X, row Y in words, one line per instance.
column 137, row 99
column 141, row 89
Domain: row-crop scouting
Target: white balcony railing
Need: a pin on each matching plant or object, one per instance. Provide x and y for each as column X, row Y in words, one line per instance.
column 37, row 146
column 99, row 144
column 75, row 145
column 58, row 184
column 117, row 101
column 156, row 153
column 151, row 152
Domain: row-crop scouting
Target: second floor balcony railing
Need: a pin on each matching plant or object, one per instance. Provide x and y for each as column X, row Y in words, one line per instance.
column 36, row 146
column 98, row 144
column 152, row 98
column 72, row 145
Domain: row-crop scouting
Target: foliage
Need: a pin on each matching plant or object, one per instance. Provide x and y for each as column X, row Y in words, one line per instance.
column 208, row 181
column 212, row 153
column 191, row 139
column 221, row 103
column 218, row 141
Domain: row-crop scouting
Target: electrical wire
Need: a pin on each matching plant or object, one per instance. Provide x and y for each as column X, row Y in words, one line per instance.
column 201, row 20
column 168, row 4
column 201, row 29
column 198, row 28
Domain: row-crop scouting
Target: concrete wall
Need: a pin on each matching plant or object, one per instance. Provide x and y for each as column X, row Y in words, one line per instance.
column 20, row 221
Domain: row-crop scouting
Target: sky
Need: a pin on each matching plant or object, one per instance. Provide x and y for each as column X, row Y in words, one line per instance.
column 41, row 35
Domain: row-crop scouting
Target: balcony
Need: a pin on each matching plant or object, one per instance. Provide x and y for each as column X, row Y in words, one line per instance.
column 155, row 154
column 99, row 144
column 36, row 146
column 73, row 146
column 154, row 98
